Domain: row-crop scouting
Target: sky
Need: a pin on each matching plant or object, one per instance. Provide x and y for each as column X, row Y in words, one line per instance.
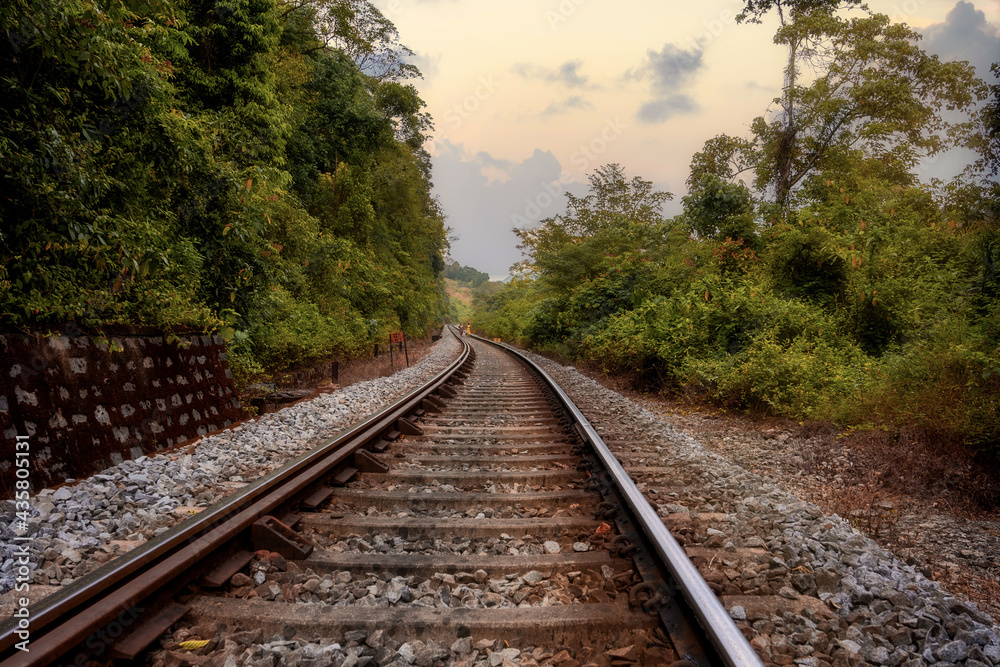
column 530, row 96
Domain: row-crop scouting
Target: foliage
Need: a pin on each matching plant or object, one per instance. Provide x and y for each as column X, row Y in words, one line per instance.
column 866, row 298
column 872, row 302
column 360, row 31
column 989, row 138
column 719, row 210
column 872, row 93
column 466, row 274
column 501, row 313
column 754, row 10
column 723, row 157
column 216, row 164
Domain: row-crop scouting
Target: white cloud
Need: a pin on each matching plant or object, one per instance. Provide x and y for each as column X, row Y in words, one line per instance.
column 567, row 74
column 483, row 209
column 965, row 34
column 662, row 108
column 574, row 103
column 668, row 71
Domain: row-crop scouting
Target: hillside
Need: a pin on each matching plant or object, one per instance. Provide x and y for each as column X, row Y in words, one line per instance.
column 459, row 300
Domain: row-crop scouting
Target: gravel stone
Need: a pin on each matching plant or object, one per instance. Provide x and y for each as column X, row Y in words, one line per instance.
column 533, row 578
column 462, row 646
column 952, row 651
column 884, row 611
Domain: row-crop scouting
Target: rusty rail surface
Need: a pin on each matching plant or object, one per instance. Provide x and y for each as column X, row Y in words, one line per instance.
column 61, row 622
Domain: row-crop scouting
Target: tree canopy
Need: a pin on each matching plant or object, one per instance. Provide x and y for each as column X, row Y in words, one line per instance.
column 872, row 94
column 248, row 166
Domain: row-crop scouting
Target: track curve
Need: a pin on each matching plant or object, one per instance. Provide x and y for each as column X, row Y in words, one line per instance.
column 476, row 519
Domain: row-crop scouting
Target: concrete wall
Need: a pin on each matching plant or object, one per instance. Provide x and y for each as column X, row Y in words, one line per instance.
column 85, row 407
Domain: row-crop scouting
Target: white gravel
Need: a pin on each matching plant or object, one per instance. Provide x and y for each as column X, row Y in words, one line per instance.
column 888, row 613
column 76, row 528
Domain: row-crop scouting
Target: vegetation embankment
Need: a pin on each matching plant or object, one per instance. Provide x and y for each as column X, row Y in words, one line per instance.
column 461, row 283
column 811, row 275
column 254, row 167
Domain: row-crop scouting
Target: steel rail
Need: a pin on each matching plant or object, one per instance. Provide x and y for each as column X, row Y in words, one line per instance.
column 732, row 647
column 62, row 621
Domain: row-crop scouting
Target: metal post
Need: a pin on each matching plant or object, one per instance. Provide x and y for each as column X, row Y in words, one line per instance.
column 391, row 364
column 405, row 351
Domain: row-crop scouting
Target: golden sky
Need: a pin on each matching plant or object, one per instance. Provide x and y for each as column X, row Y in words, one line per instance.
column 529, row 96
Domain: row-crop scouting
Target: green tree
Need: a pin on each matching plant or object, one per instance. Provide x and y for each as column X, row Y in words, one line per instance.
column 466, row 274
column 91, row 151
column 357, row 29
column 878, row 93
column 788, row 11
column 719, row 210
column 594, row 259
column 615, row 208
column 989, row 142
column 228, row 71
column 872, row 90
column 215, row 163
column 723, row 157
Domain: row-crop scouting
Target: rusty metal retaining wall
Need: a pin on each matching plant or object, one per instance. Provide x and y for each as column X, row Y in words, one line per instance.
column 84, row 407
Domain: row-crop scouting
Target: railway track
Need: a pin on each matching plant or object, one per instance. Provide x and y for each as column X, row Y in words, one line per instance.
column 476, row 521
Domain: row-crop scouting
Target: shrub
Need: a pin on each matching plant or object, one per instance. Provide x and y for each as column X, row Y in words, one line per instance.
column 804, row 377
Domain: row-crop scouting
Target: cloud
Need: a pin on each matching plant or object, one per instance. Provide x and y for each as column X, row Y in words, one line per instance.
column 660, row 109
column 667, row 72
column 429, row 65
column 481, row 208
column 567, row 74
column 753, row 85
column 487, row 160
column 669, row 69
column 573, row 103
column 965, row 35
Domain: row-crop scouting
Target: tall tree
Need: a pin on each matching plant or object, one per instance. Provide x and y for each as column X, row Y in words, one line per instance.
column 724, row 157
column 614, row 202
column 787, row 11
column 616, row 214
column 990, row 143
column 873, row 93
column 359, row 30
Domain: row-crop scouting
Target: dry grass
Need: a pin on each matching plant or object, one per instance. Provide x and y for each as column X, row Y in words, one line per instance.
column 984, row 591
column 867, row 506
column 930, row 465
column 382, row 366
column 459, row 291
